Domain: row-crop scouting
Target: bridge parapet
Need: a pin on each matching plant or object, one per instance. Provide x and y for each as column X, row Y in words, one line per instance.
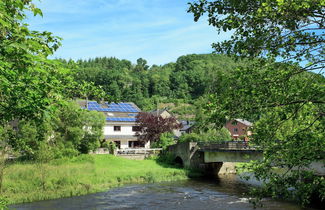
column 226, row 145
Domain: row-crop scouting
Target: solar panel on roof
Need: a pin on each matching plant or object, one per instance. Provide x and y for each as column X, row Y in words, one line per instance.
column 112, row 107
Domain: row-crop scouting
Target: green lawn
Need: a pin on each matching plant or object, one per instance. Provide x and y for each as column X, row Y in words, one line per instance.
column 26, row 182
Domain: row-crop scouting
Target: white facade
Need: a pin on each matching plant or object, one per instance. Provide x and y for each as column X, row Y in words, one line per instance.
column 125, row 137
column 126, row 130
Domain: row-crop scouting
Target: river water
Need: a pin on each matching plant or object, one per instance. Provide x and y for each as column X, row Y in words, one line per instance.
column 226, row 192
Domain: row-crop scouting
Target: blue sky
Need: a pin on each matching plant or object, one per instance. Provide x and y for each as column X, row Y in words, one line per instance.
column 157, row 30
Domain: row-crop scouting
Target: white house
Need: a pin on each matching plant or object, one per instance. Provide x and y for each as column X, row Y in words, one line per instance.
column 121, row 126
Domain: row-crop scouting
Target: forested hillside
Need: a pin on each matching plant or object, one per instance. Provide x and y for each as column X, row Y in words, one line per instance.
column 182, row 82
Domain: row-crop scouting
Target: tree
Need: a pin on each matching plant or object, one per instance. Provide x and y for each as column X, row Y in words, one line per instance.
column 69, row 132
column 29, row 82
column 141, row 65
column 32, row 87
column 77, row 128
column 290, row 30
column 94, row 123
column 152, row 126
column 5, row 150
column 42, row 157
column 284, row 41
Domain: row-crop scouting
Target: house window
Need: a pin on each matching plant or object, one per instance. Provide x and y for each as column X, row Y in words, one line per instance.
column 135, row 144
column 234, row 123
column 117, row 128
column 235, row 130
column 136, row 128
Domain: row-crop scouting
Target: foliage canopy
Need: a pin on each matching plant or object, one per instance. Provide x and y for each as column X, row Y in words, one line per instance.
column 33, row 88
column 284, row 41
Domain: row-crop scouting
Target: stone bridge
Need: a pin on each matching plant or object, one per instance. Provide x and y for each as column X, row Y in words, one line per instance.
column 211, row 156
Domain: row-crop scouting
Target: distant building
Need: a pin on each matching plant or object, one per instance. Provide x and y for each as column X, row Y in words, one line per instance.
column 239, row 129
column 164, row 113
column 120, row 126
column 187, row 126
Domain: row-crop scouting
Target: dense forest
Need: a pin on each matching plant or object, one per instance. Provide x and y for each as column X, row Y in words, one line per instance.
column 182, row 83
column 183, row 87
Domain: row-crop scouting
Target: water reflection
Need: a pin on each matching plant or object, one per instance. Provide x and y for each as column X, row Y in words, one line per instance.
column 223, row 193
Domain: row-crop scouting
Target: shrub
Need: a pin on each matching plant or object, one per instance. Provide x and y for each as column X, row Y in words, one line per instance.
column 191, row 137
column 167, row 158
column 212, row 135
column 105, row 144
column 166, row 139
column 112, row 147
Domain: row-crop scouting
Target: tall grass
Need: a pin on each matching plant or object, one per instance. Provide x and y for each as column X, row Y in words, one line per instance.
column 24, row 182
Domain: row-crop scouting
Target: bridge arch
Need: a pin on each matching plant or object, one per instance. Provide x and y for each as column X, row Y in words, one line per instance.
column 179, row 161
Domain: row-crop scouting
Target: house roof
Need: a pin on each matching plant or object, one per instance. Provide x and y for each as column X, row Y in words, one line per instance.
column 157, row 112
column 186, row 125
column 245, row 122
column 123, row 112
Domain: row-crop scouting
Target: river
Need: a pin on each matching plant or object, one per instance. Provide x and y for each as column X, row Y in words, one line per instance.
column 226, row 192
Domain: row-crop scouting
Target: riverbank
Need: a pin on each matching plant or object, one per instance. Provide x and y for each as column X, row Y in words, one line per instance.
column 225, row 192
column 27, row 182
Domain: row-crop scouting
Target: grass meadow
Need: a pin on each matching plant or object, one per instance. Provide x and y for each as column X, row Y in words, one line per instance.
column 27, row 182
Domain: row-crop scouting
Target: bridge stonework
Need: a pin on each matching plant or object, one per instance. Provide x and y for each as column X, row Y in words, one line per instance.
column 210, row 157
column 191, row 157
column 185, row 151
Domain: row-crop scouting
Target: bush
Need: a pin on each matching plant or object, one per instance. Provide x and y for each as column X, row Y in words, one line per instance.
column 190, row 137
column 105, row 144
column 44, row 154
column 166, row 139
column 64, row 150
column 211, row 135
column 112, row 147
column 167, row 158
column 69, row 131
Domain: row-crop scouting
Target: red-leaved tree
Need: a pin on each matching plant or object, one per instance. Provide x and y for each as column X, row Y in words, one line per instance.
column 152, row 126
